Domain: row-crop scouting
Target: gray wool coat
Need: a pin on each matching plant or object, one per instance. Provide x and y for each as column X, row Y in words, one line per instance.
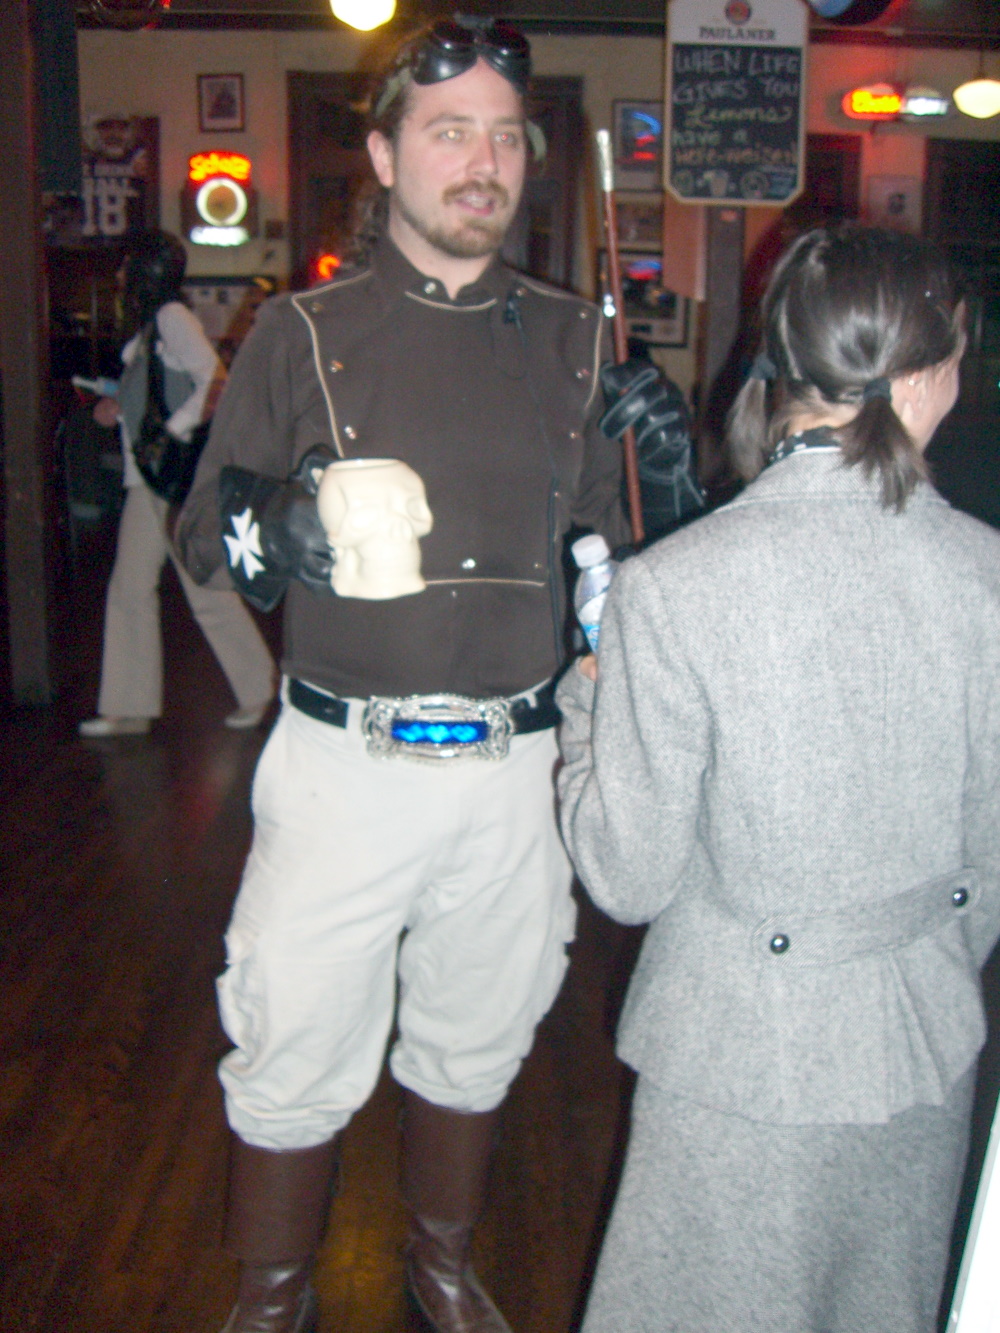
column 792, row 772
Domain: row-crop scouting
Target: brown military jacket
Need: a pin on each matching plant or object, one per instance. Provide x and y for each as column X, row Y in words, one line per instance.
column 493, row 399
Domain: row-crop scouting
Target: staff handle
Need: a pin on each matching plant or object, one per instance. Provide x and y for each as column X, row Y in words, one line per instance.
column 619, row 328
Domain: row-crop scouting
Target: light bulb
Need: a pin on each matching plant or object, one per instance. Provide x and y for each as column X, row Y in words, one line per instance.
column 363, row 14
column 979, row 98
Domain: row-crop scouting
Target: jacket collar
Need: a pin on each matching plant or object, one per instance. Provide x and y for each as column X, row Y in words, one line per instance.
column 823, row 474
column 398, row 280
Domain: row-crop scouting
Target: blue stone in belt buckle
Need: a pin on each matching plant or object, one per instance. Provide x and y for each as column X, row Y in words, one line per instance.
column 414, row 731
column 437, row 727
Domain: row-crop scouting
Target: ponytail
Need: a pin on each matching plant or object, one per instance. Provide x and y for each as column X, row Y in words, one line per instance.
column 746, row 429
column 877, row 441
column 848, row 310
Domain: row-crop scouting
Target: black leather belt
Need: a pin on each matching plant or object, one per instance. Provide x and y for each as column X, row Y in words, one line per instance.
column 524, row 716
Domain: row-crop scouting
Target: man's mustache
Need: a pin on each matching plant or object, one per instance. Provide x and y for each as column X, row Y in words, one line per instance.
column 492, row 189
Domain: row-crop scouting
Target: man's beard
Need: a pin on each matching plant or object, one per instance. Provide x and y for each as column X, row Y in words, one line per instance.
column 473, row 237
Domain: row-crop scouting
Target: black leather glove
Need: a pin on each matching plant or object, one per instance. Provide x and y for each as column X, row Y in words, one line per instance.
column 272, row 532
column 638, row 394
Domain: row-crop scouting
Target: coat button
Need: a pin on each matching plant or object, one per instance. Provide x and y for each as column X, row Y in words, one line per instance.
column 582, row 374
column 960, row 897
column 584, row 314
column 430, row 288
column 350, row 432
column 335, row 366
column 779, row 943
column 315, row 306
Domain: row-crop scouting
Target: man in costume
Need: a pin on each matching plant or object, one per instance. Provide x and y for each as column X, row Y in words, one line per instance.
column 404, row 830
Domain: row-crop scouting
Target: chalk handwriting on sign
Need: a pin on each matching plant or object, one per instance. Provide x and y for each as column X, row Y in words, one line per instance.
column 735, row 104
column 735, row 123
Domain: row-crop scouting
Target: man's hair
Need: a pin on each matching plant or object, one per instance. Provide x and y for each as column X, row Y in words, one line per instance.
column 388, row 102
column 155, row 262
column 847, row 306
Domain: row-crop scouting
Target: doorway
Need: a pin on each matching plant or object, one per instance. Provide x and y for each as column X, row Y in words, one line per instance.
column 962, row 209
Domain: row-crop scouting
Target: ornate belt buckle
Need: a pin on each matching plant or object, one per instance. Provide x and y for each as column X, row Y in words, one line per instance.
column 434, row 727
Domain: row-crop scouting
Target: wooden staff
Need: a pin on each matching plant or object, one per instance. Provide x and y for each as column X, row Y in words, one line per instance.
column 619, row 327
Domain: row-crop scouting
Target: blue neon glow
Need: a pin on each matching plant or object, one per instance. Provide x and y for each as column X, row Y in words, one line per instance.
column 415, row 732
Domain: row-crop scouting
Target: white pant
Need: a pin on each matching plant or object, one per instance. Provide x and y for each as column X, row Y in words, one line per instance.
column 348, row 853
column 132, row 666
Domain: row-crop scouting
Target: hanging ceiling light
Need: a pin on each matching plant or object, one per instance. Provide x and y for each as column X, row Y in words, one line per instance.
column 979, row 97
column 126, row 14
column 363, row 14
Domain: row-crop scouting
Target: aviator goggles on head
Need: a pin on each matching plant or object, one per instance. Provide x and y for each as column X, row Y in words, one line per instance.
column 451, row 47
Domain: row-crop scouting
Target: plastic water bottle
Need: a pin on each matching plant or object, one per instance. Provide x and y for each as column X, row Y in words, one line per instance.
column 596, row 572
column 102, row 386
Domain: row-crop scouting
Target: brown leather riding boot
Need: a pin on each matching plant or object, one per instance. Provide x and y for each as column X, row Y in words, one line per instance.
column 275, row 1216
column 446, row 1157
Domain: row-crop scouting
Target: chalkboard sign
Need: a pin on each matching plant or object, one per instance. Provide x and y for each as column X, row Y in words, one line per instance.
column 735, row 123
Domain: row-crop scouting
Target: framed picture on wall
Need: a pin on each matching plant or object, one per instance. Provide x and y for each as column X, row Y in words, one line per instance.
column 640, row 220
column 220, row 103
column 652, row 312
column 637, row 145
column 895, row 201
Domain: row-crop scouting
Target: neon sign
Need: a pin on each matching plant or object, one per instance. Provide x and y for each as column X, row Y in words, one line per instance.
column 325, row 266
column 880, row 101
column 203, row 166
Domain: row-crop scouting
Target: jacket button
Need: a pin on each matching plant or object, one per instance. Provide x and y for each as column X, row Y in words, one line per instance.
column 960, row 897
column 430, row 287
column 582, row 374
column 780, row 943
column 335, row 366
column 584, row 314
column 350, row 432
column 315, row 306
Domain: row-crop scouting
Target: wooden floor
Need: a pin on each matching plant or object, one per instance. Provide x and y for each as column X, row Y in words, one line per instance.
column 118, row 866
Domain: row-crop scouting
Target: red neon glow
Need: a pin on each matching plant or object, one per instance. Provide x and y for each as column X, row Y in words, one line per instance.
column 203, row 166
column 879, row 102
column 325, row 267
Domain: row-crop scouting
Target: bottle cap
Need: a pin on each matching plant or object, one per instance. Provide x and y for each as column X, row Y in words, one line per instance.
column 590, row 550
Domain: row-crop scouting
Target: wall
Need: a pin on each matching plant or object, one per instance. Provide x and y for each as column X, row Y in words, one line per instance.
column 154, row 73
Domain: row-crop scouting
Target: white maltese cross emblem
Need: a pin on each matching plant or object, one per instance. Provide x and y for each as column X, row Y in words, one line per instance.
column 245, row 546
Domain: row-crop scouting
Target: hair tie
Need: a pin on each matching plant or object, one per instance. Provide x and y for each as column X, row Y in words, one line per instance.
column 877, row 388
column 763, row 368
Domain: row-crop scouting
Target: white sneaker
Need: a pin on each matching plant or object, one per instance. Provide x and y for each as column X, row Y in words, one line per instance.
column 245, row 719
column 95, row 727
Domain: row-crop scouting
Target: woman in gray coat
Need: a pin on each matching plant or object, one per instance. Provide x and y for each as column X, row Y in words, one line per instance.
column 791, row 770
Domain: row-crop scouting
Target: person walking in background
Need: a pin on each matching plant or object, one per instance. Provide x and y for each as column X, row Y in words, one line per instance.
column 791, row 769
column 131, row 690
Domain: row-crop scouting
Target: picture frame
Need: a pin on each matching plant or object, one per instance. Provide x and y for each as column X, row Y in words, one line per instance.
column 895, row 202
column 221, row 107
column 652, row 312
column 637, row 144
column 640, row 220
